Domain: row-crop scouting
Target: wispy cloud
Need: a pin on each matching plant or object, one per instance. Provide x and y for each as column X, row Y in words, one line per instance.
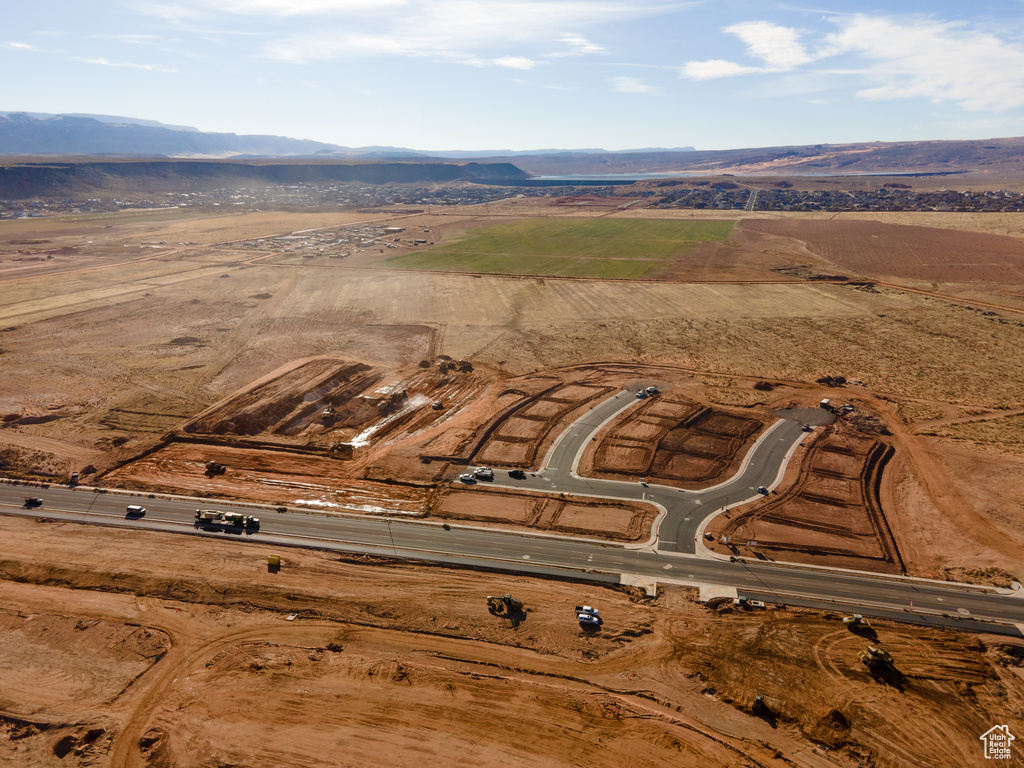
column 132, row 39
column 900, row 57
column 632, row 85
column 576, row 45
column 505, row 33
column 21, row 46
column 779, row 47
column 515, row 62
column 935, row 60
column 128, row 64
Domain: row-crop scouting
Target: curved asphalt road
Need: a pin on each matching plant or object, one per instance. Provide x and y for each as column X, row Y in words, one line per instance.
column 685, row 511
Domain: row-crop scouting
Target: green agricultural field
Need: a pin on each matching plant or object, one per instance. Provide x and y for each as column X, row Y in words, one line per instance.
column 569, row 247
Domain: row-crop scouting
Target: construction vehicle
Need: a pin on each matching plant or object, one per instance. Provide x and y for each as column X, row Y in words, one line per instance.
column 856, row 622
column 212, row 518
column 875, row 657
column 327, row 413
column 503, row 605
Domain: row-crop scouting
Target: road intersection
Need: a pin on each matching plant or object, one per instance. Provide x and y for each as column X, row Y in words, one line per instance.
column 673, row 557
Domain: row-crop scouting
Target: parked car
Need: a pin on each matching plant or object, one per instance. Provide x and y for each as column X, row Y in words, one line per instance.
column 467, row 478
column 587, row 609
column 587, row 619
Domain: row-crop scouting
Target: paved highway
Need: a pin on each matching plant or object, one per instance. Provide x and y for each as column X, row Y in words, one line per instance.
column 914, row 600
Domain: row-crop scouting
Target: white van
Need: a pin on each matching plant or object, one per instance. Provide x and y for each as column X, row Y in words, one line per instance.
column 134, row 510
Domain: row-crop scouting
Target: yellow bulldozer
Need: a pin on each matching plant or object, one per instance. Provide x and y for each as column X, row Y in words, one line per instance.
column 503, row 605
column 875, row 657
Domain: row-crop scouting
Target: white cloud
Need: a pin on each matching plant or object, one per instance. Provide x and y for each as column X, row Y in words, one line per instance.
column 515, row 62
column 714, row 68
column 632, row 85
column 494, row 32
column 941, row 61
column 779, row 47
column 129, row 39
column 901, row 57
column 128, row 64
column 297, row 7
column 578, row 46
column 22, row 46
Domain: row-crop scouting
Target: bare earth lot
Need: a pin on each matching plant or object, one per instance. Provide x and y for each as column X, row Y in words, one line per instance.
column 192, row 653
column 137, row 348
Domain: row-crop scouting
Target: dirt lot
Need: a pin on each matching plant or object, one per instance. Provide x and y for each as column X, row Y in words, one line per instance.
column 673, row 441
column 617, row 521
column 182, row 652
column 832, row 513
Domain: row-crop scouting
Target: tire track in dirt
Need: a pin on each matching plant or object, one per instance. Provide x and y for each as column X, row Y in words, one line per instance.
column 236, row 342
column 919, row 426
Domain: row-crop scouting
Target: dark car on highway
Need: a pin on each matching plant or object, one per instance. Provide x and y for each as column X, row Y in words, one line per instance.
column 516, row 474
column 33, row 501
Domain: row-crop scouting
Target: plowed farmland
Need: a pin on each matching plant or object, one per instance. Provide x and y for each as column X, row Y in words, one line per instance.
column 921, row 256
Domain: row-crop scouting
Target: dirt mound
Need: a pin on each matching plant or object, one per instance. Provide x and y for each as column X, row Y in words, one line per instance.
column 291, row 401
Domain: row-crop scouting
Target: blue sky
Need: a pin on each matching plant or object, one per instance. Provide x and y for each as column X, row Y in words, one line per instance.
column 528, row 74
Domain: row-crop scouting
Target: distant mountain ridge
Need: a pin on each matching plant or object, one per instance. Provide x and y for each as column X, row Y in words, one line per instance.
column 80, row 138
column 23, row 134
column 38, row 133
